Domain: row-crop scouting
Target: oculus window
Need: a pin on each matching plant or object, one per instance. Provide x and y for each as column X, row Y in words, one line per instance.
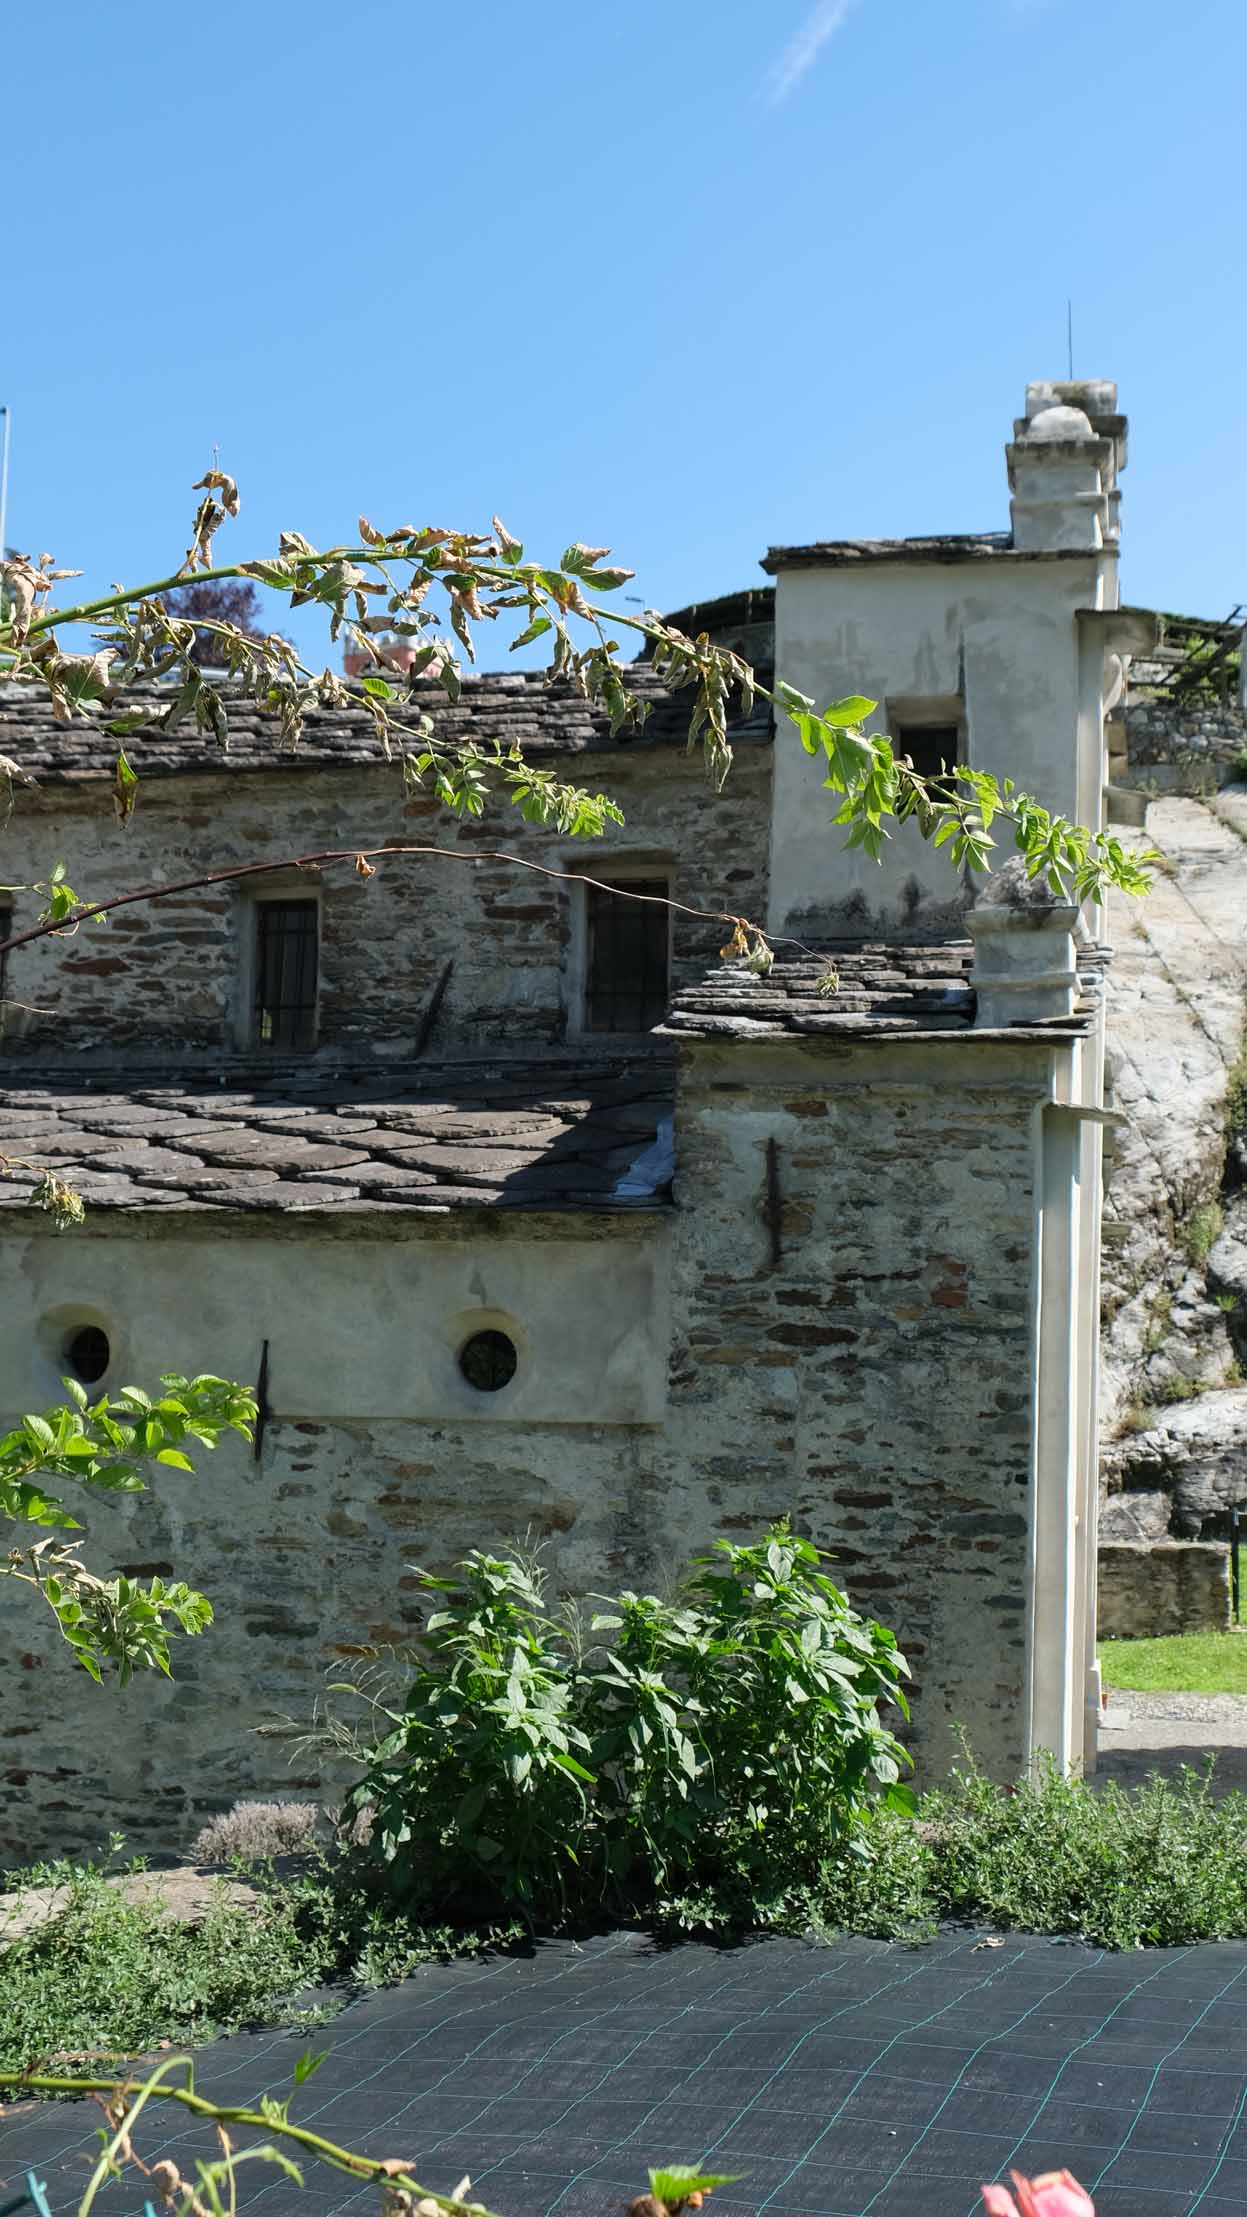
column 87, row 1353
column 488, row 1361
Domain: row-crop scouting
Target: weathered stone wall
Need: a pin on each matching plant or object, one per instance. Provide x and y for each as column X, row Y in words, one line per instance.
column 875, row 1379
column 872, row 1381
column 1180, row 742
column 170, row 977
column 1146, row 1592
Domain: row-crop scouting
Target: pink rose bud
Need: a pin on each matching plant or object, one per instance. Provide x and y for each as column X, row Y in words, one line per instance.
column 998, row 2201
column 1052, row 2194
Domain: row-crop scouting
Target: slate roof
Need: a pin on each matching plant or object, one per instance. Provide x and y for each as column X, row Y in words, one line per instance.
column 513, row 707
column 945, row 546
column 884, row 992
column 593, row 1134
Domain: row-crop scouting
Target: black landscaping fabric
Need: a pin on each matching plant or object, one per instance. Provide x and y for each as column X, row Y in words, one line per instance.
column 860, row 2077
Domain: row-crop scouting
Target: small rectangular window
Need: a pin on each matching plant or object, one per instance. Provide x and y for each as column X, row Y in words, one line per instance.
column 6, row 927
column 930, row 747
column 627, row 969
column 286, row 969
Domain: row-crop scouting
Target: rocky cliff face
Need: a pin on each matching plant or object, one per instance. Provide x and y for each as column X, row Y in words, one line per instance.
column 1174, row 1408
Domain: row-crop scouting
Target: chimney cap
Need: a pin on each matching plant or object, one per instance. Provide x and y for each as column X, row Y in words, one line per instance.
column 1096, row 396
column 1058, row 424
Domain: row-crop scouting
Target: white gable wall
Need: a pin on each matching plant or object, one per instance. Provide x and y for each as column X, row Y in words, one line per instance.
column 995, row 642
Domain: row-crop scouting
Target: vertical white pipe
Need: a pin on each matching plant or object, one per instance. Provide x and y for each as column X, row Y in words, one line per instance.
column 1056, row 1617
column 7, row 413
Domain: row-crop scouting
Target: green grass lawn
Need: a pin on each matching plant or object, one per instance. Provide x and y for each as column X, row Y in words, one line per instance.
column 1188, row 1662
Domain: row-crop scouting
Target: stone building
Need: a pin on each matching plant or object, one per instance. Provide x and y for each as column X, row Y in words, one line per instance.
column 530, row 1216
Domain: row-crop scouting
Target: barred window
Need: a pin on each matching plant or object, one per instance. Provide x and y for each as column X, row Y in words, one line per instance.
column 286, row 967
column 627, row 972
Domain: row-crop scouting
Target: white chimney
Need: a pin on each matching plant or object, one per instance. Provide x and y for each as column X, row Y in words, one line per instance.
column 1063, row 465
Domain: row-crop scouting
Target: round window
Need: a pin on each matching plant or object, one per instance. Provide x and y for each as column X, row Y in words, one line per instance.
column 87, row 1353
column 488, row 1361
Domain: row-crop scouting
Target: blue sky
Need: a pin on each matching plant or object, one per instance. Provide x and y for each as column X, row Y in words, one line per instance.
column 685, row 276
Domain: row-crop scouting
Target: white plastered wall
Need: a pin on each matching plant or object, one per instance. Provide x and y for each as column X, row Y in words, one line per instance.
column 1000, row 637
column 357, row 1329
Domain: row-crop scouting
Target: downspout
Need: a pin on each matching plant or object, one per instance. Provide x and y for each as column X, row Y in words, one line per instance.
column 1060, row 1602
column 1051, row 1606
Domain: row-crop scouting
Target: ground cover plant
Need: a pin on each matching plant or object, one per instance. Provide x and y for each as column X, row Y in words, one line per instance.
column 110, row 1977
column 1183, row 1662
column 1164, row 1865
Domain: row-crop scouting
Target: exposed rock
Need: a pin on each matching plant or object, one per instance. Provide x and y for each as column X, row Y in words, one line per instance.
column 183, row 1896
column 1195, row 1452
column 1135, row 1515
column 1227, row 1269
column 1176, row 1022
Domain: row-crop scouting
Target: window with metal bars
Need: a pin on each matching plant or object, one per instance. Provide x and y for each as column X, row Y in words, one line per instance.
column 286, row 965
column 931, row 747
column 627, row 969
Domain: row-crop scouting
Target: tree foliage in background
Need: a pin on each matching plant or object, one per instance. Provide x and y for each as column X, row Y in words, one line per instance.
column 210, row 601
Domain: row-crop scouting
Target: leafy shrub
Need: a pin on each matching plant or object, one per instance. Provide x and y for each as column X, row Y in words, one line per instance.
column 480, row 1782
column 741, row 1728
column 728, row 1741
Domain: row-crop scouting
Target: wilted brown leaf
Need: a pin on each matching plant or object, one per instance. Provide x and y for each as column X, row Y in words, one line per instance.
column 216, row 481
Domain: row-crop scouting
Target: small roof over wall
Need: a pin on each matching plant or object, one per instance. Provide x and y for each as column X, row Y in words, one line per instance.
column 593, row 1134
column 949, row 546
column 882, row 993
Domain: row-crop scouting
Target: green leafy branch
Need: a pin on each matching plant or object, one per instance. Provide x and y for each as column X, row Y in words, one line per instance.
column 106, row 1447
column 212, row 2194
column 213, row 2190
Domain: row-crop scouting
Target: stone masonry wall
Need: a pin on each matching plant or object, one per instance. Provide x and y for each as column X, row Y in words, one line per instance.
column 872, row 1382
column 1149, row 1591
column 169, row 977
column 1180, row 741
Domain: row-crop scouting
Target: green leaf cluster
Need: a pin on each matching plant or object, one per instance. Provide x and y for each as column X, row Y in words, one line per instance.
column 955, row 809
column 106, row 1446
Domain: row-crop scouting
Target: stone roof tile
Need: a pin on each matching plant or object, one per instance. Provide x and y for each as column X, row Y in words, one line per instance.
column 883, row 991
column 499, row 1135
column 514, row 708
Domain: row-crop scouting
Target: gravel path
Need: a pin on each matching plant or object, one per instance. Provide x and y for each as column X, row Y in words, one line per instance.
column 1214, row 1707
column 1142, row 1735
